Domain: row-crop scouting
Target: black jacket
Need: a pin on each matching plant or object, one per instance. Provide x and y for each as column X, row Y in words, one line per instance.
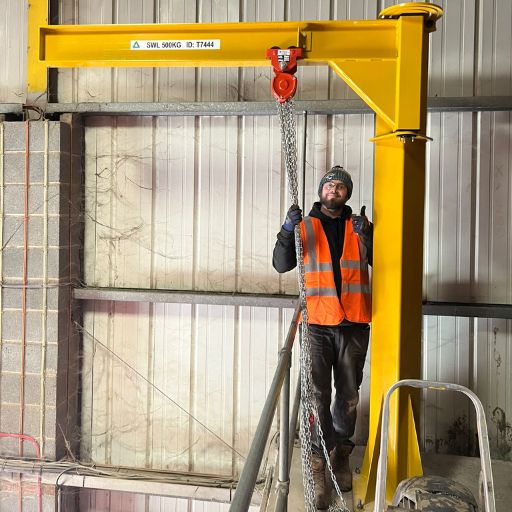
column 285, row 259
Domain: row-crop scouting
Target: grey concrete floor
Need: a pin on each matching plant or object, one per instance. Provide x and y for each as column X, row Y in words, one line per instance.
column 461, row 469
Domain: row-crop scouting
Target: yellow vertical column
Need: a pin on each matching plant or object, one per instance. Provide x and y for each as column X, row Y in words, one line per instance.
column 37, row 72
column 399, row 189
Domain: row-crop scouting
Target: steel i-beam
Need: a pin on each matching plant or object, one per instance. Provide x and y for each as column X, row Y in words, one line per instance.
column 385, row 63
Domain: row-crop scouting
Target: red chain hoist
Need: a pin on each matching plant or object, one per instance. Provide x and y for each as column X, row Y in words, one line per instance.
column 284, row 62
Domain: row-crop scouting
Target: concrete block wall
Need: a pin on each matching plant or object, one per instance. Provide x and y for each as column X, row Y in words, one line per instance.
column 39, row 340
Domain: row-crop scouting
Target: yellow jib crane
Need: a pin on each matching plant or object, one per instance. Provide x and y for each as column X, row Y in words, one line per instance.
column 385, row 63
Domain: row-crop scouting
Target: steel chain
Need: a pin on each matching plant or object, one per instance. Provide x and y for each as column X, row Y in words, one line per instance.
column 308, row 404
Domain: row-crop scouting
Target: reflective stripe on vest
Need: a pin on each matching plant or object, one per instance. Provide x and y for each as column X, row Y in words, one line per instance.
column 355, row 288
column 324, row 305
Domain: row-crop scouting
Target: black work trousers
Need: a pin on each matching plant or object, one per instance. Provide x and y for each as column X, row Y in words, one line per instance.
column 339, row 352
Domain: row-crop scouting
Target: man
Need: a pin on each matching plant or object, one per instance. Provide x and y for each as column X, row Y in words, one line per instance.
column 337, row 250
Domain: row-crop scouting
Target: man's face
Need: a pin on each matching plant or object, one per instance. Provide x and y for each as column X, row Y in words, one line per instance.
column 334, row 195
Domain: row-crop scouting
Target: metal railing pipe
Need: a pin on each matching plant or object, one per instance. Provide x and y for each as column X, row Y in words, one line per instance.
column 283, row 480
column 293, row 422
column 282, row 497
column 247, row 481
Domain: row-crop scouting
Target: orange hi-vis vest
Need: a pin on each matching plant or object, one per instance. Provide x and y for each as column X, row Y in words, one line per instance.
column 324, row 305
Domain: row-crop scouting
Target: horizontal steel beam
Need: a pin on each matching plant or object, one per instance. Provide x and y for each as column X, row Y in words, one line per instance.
column 255, row 108
column 465, row 309
column 219, row 108
column 11, row 108
column 459, row 309
column 187, row 297
column 469, row 104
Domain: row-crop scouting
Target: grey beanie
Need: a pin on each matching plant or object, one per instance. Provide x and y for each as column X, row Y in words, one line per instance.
column 337, row 173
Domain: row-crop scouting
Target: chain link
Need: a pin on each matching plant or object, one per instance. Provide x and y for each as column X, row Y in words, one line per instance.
column 308, row 409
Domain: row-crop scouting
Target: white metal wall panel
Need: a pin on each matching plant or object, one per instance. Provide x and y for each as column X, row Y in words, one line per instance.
column 262, row 200
column 176, row 387
column 467, row 258
column 173, row 203
column 13, row 58
column 494, row 77
column 119, row 200
column 448, row 257
column 493, row 276
column 452, row 50
column 493, row 338
column 256, row 362
column 448, row 208
column 174, row 196
column 172, row 356
column 216, row 202
column 212, row 389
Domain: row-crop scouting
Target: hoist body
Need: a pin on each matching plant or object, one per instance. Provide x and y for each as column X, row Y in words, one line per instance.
column 385, row 62
column 284, row 64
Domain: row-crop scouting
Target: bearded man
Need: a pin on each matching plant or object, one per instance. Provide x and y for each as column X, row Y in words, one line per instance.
column 337, row 251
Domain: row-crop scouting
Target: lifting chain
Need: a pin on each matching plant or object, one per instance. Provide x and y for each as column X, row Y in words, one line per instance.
column 308, row 408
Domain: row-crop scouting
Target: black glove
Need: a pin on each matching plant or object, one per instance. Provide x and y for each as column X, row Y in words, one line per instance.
column 360, row 223
column 293, row 217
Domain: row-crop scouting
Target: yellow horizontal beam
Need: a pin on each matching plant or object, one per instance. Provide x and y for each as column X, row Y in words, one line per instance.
column 213, row 44
column 378, row 59
column 354, row 49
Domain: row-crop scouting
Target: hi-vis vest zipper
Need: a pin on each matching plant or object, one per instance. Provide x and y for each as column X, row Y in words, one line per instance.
column 324, row 305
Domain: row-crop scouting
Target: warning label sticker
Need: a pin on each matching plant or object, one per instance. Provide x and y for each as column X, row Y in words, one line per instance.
column 176, row 44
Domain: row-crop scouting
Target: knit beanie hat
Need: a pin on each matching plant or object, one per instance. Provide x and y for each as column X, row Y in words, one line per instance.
column 337, row 173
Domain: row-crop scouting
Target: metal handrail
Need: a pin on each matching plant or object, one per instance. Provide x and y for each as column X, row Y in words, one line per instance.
column 246, row 483
column 483, row 440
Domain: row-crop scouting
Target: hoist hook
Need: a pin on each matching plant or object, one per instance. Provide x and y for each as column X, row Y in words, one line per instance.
column 284, row 62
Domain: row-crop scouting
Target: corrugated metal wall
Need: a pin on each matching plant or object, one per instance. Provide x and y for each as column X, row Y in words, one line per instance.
column 13, row 57
column 194, row 203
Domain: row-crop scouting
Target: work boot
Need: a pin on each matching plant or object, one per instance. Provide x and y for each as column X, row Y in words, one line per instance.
column 321, row 489
column 341, row 467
